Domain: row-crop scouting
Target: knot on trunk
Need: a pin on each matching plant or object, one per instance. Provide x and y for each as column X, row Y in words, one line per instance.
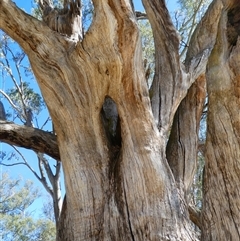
column 66, row 21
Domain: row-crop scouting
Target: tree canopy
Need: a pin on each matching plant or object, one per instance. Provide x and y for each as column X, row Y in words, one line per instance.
column 17, row 223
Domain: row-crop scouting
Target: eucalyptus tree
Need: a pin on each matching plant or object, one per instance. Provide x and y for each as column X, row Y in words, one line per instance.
column 129, row 161
column 25, row 106
column 17, row 221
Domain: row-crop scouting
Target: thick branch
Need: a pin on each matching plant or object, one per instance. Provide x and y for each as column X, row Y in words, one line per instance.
column 182, row 145
column 205, row 33
column 168, row 74
column 183, row 141
column 222, row 168
column 31, row 34
column 30, row 138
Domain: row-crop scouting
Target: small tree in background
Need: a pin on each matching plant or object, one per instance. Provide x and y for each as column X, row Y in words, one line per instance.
column 17, row 223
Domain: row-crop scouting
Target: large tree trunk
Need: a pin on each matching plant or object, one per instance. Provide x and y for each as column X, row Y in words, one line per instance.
column 124, row 192
column 221, row 204
column 119, row 184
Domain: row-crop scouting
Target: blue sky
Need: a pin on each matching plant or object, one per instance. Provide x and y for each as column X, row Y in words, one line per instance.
column 27, row 4
column 21, row 170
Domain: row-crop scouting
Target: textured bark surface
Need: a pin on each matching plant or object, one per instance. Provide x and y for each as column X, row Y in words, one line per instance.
column 112, row 140
column 183, row 141
column 171, row 76
column 182, row 145
column 130, row 195
column 221, row 205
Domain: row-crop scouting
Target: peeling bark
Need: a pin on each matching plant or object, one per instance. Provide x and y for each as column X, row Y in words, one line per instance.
column 182, row 146
column 66, row 21
column 171, row 76
column 168, row 73
column 204, row 36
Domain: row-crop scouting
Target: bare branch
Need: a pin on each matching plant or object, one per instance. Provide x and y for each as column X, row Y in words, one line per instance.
column 140, row 15
column 193, row 19
column 10, row 101
column 168, row 74
column 2, row 111
column 13, row 164
column 24, row 28
column 58, row 169
column 26, row 163
column 47, row 167
column 43, row 177
column 45, row 123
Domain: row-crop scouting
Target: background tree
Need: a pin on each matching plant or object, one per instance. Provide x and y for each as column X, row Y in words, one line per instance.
column 25, row 106
column 133, row 183
column 187, row 18
column 17, row 223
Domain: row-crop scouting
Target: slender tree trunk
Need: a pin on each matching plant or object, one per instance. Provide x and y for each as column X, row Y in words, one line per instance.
column 221, row 204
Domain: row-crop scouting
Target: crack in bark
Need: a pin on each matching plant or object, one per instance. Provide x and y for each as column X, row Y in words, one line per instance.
column 229, row 202
column 183, row 151
column 225, row 185
column 128, row 215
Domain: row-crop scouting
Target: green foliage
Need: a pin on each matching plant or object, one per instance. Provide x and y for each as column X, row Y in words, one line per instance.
column 187, row 17
column 15, row 201
column 16, row 223
column 27, row 98
column 148, row 49
column 19, row 228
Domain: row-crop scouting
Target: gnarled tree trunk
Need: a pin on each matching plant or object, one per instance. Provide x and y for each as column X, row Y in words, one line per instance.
column 125, row 195
column 119, row 183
